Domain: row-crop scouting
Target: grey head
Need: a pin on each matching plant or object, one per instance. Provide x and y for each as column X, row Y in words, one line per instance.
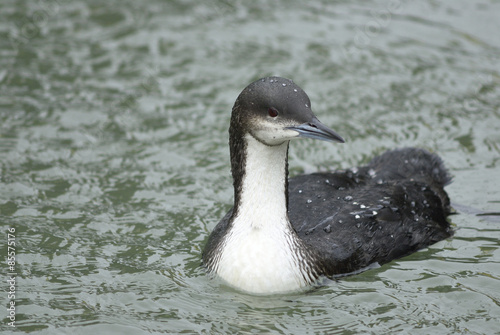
column 274, row 110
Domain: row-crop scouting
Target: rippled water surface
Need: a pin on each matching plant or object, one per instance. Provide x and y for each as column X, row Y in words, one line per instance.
column 114, row 163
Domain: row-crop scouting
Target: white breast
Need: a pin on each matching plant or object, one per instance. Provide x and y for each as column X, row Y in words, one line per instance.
column 259, row 251
column 258, row 261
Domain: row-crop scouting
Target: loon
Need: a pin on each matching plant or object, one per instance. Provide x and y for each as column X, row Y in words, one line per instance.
column 284, row 234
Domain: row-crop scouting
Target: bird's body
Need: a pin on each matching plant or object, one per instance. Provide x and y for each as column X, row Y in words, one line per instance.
column 282, row 235
column 376, row 213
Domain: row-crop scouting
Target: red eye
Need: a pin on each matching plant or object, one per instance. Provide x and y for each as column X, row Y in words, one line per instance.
column 273, row 112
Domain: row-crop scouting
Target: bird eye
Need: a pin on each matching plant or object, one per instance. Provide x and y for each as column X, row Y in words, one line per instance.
column 273, row 112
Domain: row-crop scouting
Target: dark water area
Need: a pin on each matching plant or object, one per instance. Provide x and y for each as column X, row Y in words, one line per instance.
column 114, row 164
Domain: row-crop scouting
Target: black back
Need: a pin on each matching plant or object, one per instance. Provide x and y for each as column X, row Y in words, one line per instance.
column 388, row 209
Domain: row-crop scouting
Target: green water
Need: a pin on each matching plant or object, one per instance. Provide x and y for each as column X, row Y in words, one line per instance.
column 114, row 163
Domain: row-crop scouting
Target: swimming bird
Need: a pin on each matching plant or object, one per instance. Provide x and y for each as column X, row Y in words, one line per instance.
column 282, row 235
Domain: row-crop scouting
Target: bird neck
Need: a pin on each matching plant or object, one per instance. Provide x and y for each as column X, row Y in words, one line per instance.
column 260, row 174
column 260, row 252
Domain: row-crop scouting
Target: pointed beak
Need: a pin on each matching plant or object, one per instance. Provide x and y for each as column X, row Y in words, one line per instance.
column 317, row 130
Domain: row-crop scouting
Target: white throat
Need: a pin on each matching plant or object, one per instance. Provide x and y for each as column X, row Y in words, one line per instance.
column 263, row 189
column 259, row 252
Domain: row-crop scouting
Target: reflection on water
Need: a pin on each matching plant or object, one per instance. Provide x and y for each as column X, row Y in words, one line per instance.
column 114, row 160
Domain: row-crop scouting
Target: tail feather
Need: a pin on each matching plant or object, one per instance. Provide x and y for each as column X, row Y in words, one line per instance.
column 411, row 163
